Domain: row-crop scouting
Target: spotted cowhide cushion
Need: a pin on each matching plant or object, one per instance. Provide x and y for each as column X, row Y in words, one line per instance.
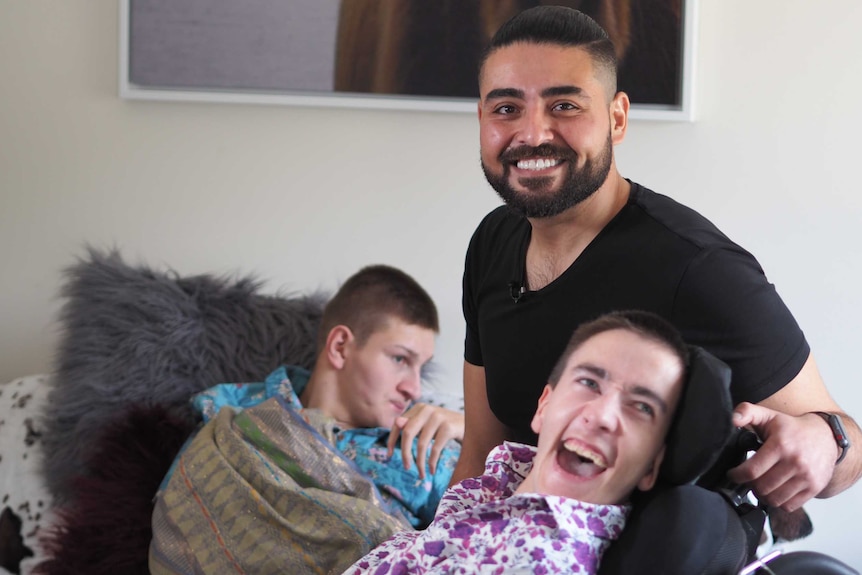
column 24, row 499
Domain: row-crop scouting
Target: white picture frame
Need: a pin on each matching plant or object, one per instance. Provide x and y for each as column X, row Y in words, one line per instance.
column 683, row 110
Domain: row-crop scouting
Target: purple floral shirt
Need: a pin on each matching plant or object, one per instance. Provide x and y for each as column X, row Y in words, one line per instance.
column 481, row 526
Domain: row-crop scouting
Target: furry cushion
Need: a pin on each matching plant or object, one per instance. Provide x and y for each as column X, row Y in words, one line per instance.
column 106, row 528
column 137, row 336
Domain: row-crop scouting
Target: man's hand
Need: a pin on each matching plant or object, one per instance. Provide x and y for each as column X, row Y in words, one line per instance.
column 796, row 460
column 429, row 422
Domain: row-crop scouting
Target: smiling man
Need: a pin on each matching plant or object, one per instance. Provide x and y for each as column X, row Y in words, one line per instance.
column 602, row 421
column 604, row 415
column 576, row 239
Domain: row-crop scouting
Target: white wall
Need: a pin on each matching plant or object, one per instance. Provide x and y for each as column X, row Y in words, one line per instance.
column 304, row 196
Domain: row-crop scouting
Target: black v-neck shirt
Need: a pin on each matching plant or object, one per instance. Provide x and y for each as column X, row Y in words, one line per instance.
column 655, row 255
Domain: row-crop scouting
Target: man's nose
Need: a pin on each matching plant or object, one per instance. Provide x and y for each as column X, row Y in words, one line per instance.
column 411, row 385
column 602, row 412
column 537, row 127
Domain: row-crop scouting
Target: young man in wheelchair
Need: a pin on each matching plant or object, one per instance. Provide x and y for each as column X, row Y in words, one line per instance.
column 602, row 421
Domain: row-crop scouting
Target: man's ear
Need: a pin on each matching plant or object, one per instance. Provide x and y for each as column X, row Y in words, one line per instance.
column 647, row 481
column 619, row 117
column 337, row 343
column 536, row 423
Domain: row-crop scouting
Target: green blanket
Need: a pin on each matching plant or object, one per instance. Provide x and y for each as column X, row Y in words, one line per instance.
column 264, row 491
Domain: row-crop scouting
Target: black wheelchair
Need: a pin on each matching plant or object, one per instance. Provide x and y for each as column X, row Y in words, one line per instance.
column 696, row 522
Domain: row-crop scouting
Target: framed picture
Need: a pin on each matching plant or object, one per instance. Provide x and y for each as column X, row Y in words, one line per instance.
column 395, row 54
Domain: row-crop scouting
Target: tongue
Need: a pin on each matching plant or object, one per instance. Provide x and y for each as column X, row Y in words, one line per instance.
column 574, row 464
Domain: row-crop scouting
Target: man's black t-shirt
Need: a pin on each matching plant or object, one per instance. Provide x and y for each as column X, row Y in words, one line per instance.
column 655, row 255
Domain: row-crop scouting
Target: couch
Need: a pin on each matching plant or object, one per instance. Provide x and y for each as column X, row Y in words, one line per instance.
column 91, row 440
column 84, row 448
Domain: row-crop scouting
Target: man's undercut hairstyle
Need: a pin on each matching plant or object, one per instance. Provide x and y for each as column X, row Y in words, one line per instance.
column 373, row 296
column 643, row 323
column 561, row 26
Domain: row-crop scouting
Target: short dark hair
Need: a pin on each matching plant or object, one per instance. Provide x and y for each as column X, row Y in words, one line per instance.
column 561, row 26
column 374, row 295
column 643, row 323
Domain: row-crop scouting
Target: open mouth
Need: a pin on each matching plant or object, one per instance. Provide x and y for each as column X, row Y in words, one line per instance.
column 580, row 461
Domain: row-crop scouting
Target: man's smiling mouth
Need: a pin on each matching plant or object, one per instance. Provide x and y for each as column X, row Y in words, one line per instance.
column 537, row 164
column 579, row 460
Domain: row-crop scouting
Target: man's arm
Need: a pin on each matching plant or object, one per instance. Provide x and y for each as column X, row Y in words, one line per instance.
column 482, row 430
column 797, row 459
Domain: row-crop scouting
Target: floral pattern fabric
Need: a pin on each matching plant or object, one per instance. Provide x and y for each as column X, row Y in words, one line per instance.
column 482, row 526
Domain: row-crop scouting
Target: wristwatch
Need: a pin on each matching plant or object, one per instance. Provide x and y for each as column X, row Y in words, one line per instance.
column 838, row 432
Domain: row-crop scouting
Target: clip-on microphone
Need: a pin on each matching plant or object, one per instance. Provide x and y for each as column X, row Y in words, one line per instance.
column 516, row 290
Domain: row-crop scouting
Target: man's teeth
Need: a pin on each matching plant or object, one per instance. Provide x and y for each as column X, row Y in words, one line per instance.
column 540, row 164
column 585, row 453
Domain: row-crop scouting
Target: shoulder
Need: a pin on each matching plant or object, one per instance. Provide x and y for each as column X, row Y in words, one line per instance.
column 500, row 222
column 675, row 218
column 709, row 250
column 508, row 465
column 678, row 222
column 505, row 469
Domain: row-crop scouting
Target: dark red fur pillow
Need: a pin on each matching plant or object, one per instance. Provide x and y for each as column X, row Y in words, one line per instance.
column 105, row 527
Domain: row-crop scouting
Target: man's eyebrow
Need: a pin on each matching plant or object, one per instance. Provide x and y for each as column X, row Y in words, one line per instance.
column 498, row 93
column 551, row 92
column 637, row 390
column 647, row 392
column 411, row 353
column 563, row 91
column 599, row 372
column 407, row 351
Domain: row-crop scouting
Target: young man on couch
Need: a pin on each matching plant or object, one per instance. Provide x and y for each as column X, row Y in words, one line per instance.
column 308, row 475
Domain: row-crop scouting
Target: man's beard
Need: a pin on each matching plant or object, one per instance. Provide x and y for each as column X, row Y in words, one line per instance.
column 538, row 201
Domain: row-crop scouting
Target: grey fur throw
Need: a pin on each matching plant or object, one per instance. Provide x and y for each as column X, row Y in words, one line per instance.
column 134, row 335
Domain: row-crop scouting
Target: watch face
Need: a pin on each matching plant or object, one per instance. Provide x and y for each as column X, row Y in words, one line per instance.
column 838, row 432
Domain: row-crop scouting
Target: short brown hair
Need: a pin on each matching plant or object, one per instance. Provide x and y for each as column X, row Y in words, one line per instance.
column 371, row 297
column 643, row 323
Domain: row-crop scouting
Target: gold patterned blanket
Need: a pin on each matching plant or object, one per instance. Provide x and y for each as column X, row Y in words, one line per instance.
column 264, row 491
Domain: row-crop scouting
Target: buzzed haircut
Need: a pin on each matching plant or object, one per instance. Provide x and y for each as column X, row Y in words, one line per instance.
column 561, row 26
column 643, row 323
column 371, row 297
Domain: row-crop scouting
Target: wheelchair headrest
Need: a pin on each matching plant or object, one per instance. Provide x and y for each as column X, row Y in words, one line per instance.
column 702, row 424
